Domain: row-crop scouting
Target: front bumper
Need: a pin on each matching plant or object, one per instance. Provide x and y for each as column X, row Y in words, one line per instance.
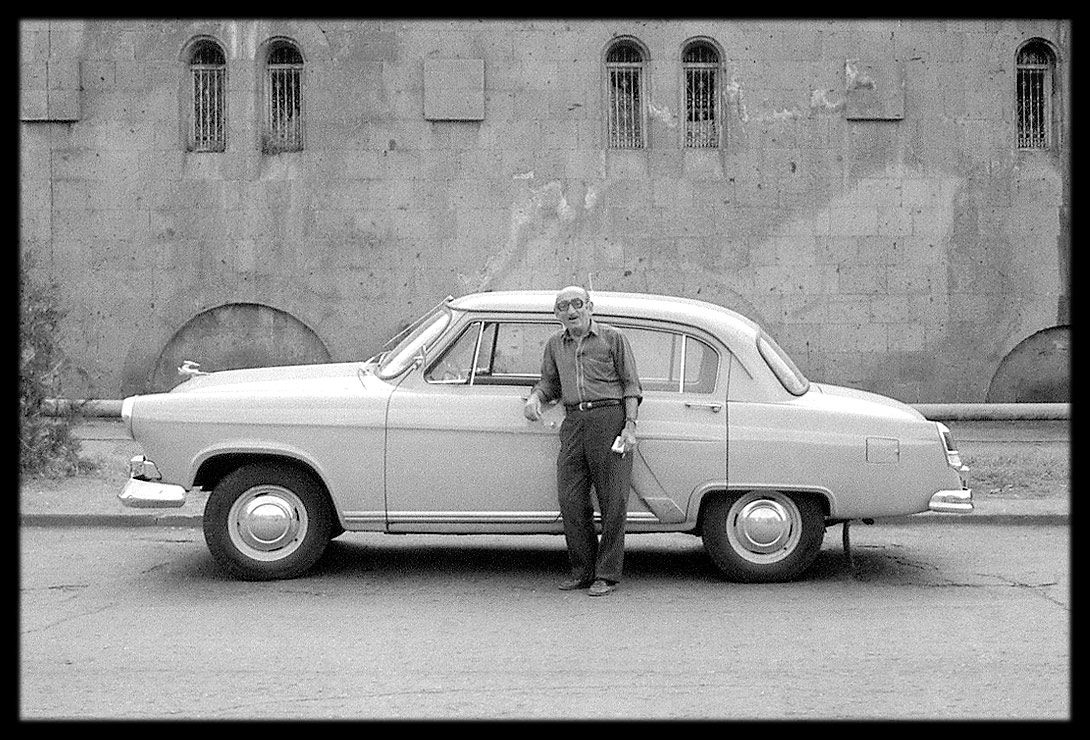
column 144, row 490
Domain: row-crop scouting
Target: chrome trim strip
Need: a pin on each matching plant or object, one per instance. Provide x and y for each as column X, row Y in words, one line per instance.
column 474, row 517
column 365, row 517
column 484, row 517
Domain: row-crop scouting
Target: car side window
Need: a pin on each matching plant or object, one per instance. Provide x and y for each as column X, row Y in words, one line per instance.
column 494, row 353
column 701, row 366
column 514, row 352
column 455, row 366
column 658, row 357
column 669, row 361
column 509, row 353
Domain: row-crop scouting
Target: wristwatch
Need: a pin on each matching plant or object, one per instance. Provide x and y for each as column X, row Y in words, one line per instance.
column 630, row 419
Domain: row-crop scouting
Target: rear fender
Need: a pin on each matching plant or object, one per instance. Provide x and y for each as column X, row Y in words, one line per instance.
column 698, row 502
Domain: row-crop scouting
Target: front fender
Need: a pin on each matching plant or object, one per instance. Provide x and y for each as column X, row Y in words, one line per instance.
column 216, row 460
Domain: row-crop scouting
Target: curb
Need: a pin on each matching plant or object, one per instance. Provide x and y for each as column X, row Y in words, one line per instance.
column 994, row 411
column 1031, row 520
column 110, row 520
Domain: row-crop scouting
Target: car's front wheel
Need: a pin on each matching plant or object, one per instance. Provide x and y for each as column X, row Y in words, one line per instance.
column 763, row 536
column 267, row 521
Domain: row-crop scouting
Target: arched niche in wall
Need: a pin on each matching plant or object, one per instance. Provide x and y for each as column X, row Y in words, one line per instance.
column 1037, row 370
column 238, row 335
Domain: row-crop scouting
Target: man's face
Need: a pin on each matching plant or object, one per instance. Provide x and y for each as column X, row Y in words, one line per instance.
column 573, row 308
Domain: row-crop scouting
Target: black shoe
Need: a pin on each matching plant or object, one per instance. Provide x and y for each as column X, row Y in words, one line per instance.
column 601, row 588
column 574, row 584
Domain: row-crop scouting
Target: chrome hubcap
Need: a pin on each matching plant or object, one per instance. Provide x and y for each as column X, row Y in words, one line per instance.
column 764, row 527
column 268, row 522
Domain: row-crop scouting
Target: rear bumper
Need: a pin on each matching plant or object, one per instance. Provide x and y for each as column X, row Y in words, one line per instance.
column 143, row 490
column 952, row 502
column 959, row 500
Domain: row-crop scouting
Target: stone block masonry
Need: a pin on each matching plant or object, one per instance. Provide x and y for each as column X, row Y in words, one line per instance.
column 867, row 202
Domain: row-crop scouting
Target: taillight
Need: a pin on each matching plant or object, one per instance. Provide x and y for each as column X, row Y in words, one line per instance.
column 952, row 456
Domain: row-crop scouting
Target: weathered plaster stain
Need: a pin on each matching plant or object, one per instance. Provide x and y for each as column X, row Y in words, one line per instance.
column 787, row 114
column 820, row 102
column 662, row 114
column 735, row 94
column 541, row 219
column 855, row 78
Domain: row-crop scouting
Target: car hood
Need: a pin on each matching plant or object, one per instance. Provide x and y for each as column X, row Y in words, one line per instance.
column 280, row 378
column 855, row 393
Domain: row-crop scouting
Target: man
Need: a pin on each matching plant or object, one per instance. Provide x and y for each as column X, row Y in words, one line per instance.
column 590, row 368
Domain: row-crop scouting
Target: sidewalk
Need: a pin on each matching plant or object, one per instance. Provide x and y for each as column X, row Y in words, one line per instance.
column 91, row 500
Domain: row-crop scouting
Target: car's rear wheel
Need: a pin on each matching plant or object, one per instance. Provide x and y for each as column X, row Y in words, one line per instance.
column 763, row 536
column 267, row 521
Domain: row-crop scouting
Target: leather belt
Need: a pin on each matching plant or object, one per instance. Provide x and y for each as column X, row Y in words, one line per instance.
column 587, row 405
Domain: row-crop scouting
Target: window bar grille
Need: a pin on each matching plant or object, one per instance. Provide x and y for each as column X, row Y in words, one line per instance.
column 626, row 130
column 207, row 124
column 701, row 129
column 1033, row 120
column 284, row 124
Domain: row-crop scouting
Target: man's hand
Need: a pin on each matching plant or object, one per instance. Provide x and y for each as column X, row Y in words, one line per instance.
column 628, row 437
column 532, row 409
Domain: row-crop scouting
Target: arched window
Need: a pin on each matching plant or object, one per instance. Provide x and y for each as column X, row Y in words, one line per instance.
column 283, row 127
column 1036, row 68
column 208, row 115
column 625, row 114
column 700, row 60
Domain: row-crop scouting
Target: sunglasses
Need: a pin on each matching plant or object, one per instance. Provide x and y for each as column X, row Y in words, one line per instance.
column 576, row 303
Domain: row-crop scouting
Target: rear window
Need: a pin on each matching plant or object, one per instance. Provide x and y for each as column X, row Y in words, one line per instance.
column 782, row 365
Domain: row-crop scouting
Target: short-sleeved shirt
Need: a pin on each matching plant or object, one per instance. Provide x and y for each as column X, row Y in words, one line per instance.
column 599, row 365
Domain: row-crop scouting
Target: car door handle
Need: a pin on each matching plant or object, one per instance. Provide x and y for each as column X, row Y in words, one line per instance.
column 715, row 407
column 547, row 423
column 544, row 407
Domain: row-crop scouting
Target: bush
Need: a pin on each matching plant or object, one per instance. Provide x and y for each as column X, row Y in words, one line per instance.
column 47, row 446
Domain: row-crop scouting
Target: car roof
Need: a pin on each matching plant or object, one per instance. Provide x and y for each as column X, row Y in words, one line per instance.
column 708, row 316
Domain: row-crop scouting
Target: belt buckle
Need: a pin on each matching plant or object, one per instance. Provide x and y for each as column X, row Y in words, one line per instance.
column 586, row 405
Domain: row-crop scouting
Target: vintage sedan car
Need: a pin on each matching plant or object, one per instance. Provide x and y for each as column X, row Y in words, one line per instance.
column 736, row 445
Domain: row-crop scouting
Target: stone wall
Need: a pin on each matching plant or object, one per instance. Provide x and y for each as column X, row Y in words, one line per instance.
column 868, row 204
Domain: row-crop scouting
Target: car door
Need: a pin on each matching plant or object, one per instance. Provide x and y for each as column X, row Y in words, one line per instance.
column 682, row 426
column 461, row 457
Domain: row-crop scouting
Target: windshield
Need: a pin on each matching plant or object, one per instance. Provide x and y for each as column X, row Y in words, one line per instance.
column 414, row 340
column 782, row 365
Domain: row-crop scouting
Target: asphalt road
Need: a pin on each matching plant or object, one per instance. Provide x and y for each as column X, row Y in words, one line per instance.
column 933, row 622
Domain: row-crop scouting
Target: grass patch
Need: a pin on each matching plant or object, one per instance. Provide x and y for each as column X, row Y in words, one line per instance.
column 1019, row 469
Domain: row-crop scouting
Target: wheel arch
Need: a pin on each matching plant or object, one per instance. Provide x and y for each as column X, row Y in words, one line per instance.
column 213, row 468
column 708, row 493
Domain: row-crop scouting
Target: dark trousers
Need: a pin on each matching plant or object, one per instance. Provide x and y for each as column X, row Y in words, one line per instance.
column 586, row 460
